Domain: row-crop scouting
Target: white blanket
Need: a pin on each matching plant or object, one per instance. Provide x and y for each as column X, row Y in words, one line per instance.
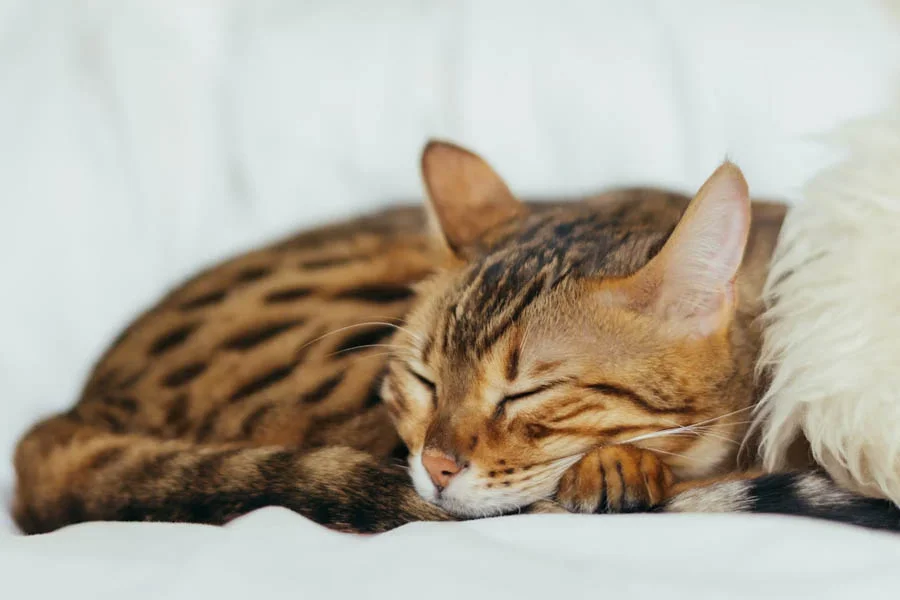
column 142, row 139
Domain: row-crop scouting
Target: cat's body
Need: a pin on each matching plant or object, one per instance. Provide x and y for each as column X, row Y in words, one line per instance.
column 261, row 381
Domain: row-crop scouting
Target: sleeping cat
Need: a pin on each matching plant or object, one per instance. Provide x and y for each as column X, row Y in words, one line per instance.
column 594, row 356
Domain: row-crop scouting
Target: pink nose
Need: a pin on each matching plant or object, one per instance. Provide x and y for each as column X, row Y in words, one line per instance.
column 441, row 468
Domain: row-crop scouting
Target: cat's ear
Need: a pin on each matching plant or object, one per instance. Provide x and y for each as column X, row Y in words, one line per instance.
column 467, row 199
column 690, row 282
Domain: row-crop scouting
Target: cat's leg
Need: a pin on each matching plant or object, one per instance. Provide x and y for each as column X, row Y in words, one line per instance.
column 69, row 472
column 615, row 479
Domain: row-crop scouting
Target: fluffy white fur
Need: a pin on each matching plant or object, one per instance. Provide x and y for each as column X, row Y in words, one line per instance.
column 833, row 322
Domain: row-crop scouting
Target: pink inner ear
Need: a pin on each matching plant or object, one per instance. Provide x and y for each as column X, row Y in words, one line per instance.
column 467, row 197
column 696, row 269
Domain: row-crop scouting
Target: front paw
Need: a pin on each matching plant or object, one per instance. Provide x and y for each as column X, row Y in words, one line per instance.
column 615, row 479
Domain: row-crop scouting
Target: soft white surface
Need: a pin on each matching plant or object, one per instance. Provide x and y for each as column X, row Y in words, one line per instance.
column 274, row 554
column 140, row 139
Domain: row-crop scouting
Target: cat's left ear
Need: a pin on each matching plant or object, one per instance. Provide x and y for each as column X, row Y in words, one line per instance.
column 690, row 282
column 467, row 199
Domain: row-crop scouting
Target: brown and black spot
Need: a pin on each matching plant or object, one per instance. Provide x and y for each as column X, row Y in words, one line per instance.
column 207, row 427
column 153, row 468
column 512, row 363
column 289, row 294
column 106, row 457
column 252, row 421
column 176, row 418
column 323, row 390
column 263, row 381
column 373, row 395
column 172, row 339
column 204, row 300
column 327, row 262
column 125, row 404
column 184, row 374
column 377, row 293
column 364, row 337
column 536, row 431
column 576, row 411
column 207, row 469
column 259, row 334
column 251, row 274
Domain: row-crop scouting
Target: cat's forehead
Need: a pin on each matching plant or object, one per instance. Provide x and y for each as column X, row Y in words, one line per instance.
column 494, row 292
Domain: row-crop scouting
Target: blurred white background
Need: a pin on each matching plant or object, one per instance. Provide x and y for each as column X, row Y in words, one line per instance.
column 142, row 139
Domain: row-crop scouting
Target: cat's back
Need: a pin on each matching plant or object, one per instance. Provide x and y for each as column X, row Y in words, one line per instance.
column 292, row 325
column 273, row 344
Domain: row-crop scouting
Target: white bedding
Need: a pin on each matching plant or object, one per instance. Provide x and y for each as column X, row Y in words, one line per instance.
column 141, row 139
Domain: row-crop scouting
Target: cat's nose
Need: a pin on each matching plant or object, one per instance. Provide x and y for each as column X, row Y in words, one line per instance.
column 441, row 468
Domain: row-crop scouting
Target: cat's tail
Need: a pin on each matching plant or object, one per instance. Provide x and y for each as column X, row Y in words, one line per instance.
column 69, row 472
column 809, row 494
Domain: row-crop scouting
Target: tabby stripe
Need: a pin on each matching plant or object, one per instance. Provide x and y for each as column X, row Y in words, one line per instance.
column 537, row 431
column 131, row 379
column 575, row 412
column 278, row 466
column 251, row 338
column 323, row 263
column 288, row 295
column 359, row 340
column 106, row 457
column 208, row 425
column 373, row 398
column 398, row 404
column 111, row 421
column 512, row 364
column 252, row 421
column 252, row 274
column 320, row 392
column 427, row 348
column 523, row 301
column 172, row 339
column 610, row 389
column 105, row 379
column 154, row 468
column 377, row 293
column 204, row 300
column 177, row 411
column 183, row 375
column 265, row 380
column 209, row 467
column 124, row 403
column 603, row 503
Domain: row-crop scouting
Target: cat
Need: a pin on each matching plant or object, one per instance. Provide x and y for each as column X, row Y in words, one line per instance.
column 592, row 356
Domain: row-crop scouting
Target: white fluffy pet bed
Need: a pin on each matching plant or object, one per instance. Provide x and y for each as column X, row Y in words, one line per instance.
column 833, row 325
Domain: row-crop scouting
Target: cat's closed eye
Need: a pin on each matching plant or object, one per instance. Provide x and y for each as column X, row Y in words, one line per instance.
column 526, row 394
column 426, row 383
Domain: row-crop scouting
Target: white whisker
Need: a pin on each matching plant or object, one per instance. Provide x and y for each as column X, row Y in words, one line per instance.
column 355, row 326
column 364, row 346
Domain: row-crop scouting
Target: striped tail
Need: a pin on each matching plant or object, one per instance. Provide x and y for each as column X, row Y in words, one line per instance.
column 69, row 472
column 808, row 494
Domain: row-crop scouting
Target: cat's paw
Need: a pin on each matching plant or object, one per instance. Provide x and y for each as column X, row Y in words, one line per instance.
column 615, row 479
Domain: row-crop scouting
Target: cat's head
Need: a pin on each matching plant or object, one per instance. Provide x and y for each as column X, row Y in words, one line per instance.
column 552, row 332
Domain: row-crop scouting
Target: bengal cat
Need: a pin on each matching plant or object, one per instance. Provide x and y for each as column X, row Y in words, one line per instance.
column 594, row 356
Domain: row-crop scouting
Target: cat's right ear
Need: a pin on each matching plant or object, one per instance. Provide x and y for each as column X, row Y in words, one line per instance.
column 690, row 283
column 467, row 199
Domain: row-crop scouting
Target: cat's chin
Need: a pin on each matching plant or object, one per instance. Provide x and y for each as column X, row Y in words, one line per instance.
column 461, row 499
column 468, row 511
